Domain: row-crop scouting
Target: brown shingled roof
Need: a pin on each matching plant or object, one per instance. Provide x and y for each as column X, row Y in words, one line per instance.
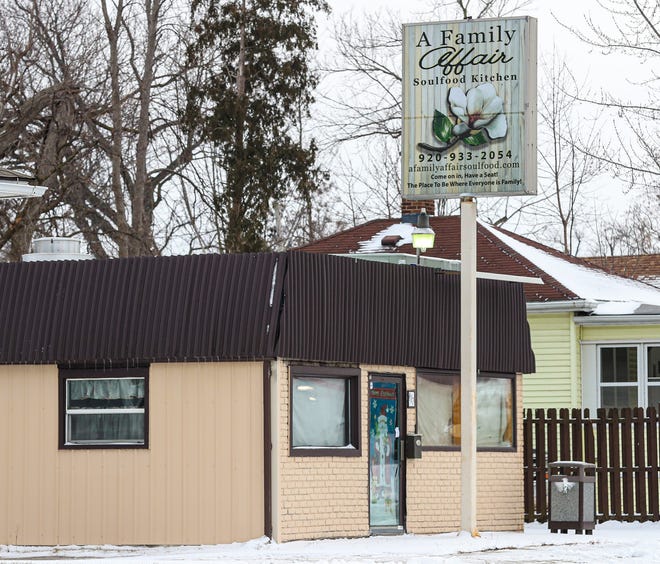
column 641, row 267
column 494, row 255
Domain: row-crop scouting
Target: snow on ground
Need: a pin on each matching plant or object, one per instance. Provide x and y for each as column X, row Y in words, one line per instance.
column 610, row 542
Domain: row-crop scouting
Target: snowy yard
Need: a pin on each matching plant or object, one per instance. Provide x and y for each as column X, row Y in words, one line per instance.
column 611, row 542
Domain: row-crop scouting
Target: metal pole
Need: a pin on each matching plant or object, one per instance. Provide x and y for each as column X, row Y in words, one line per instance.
column 469, row 365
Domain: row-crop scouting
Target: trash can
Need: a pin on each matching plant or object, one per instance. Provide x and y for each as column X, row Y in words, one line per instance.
column 572, row 491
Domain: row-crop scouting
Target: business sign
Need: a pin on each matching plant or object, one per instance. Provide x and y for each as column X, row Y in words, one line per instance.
column 469, row 108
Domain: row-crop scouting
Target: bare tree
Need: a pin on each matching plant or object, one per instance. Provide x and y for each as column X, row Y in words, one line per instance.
column 362, row 93
column 92, row 110
column 632, row 29
column 637, row 232
column 374, row 184
column 39, row 129
column 139, row 132
column 565, row 173
column 363, row 82
column 477, row 8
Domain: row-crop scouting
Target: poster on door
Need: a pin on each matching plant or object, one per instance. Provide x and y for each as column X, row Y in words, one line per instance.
column 384, row 454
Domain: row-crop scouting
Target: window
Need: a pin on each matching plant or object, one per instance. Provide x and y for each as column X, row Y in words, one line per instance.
column 439, row 410
column 103, row 408
column 653, row 374
column 325, row 416
column 618, row 377
column 629, row 375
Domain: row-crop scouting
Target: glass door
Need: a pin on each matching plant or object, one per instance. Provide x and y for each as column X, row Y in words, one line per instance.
column 385, row 428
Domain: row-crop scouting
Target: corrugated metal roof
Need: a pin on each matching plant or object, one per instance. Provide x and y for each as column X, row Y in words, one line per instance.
column 253, row 306
column 137, row 309
column 350, row 310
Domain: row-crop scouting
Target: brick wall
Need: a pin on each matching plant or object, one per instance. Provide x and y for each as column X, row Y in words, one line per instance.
column 328, row 497
column 320, row 497
column 434, row 488
column 415, row 206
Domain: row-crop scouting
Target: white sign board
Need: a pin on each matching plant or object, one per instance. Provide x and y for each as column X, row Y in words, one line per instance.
column 469, row 108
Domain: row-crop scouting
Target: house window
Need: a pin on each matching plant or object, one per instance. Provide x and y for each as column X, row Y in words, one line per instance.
column 629, row 375
column 439, row 410
column 325, row 417
column 653, row 374
column 104, row 408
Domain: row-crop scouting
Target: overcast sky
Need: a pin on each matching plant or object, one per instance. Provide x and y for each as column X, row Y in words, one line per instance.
column 593, row 70
column 589, row 64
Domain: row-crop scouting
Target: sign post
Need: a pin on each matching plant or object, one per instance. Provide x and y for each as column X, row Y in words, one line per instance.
column 469, row 366
column 469, row 129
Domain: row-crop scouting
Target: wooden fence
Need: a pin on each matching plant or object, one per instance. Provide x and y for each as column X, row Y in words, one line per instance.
column 623, row 445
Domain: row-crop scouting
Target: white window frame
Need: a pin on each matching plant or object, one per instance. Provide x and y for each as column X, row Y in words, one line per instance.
column 67, row 413
column 638, row 383
column 645, row 360
column 591, row 371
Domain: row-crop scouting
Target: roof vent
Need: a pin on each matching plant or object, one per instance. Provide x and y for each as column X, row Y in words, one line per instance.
column 390, row 240
column 56, row 248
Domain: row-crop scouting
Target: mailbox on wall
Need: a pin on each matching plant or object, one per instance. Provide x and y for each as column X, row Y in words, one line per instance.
column 414, row 446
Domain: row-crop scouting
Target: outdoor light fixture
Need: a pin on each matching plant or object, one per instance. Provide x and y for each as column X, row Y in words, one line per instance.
column 422, row 236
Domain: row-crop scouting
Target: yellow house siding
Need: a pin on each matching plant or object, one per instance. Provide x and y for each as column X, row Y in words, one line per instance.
column 614, row 334
column 556, row 380
column 557, row 340
column 200, row 481
column 620, row 333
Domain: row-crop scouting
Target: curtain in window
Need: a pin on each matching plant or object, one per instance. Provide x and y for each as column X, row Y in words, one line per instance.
column 106, row 427
column 86, row 398
column 319, row 412
column 435, row 411
column 106, row 393
column 439, row 411
column 494, row 412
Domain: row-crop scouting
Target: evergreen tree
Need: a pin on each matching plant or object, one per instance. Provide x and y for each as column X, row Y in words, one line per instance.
column 255, row 55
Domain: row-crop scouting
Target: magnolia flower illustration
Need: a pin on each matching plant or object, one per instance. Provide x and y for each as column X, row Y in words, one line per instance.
column 480, row 108
column 477, row 110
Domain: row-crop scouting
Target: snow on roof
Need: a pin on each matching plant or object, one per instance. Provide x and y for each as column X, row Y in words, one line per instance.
column 374, row 245
column 653, row 280
column 588, row 283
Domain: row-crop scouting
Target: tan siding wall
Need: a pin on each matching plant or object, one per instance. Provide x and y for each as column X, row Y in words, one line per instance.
column 328, row 496
column 556, row 380
column 434, row 488
column 200, row 481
